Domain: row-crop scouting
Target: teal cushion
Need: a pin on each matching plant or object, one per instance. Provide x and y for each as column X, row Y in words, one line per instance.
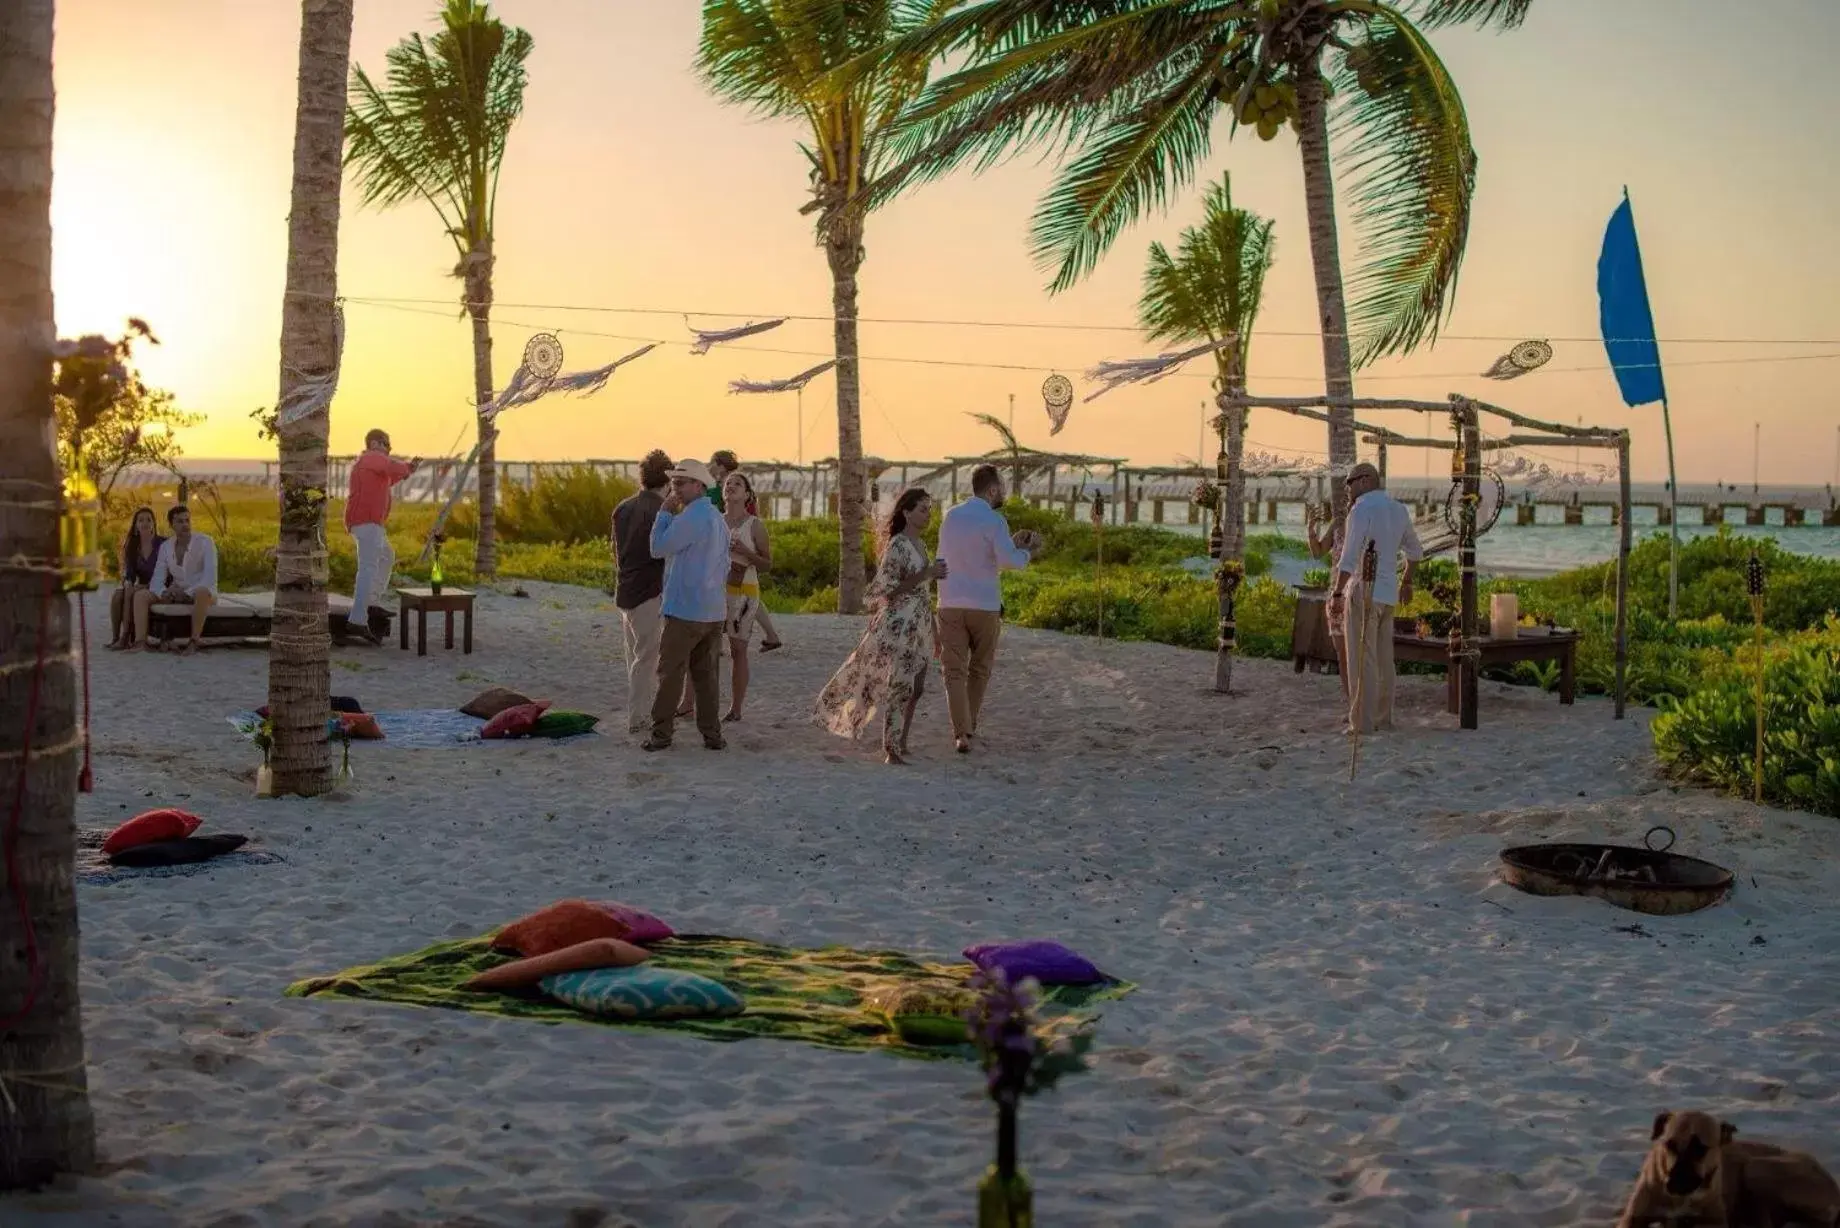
column 643, row 992
column 563, row 724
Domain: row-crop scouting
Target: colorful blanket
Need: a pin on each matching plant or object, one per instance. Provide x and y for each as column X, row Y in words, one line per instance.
column 816, row 996
column 422, row 729
column 93, row 866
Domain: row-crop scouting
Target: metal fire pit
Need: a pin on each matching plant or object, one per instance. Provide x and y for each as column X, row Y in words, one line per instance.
column 1650, row 880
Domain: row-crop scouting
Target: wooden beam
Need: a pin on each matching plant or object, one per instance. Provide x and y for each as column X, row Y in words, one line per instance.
column 1607, row 434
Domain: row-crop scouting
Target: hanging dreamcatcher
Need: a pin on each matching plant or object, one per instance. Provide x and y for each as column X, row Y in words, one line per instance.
column 1525, row 357
column 1057, row 398
column 1491, row 497
column 543, row 355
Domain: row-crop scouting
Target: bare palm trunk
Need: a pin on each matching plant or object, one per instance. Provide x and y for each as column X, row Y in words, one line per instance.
column 478, row 273
column 1230, row 468
column 1325, row 254
column 299, row 650
column 45, row 1122
column 843, row 247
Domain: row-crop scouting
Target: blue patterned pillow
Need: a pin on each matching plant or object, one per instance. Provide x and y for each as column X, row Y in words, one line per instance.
column 643, row 992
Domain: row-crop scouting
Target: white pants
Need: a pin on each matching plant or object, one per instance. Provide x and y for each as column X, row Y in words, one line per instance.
column 1368, row 627
column 643, row 624
column 375, row 563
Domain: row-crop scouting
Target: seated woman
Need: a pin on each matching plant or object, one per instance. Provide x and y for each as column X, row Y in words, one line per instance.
column 140, row 551
column 184, row 574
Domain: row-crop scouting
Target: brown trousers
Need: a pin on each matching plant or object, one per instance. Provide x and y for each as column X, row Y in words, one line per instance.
column 967, row 651
column 694, row 649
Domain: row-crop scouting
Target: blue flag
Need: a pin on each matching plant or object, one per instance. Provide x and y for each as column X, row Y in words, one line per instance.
column 1623, row 315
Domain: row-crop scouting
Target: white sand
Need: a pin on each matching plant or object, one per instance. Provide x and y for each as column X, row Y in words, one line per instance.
column 1343, row 1018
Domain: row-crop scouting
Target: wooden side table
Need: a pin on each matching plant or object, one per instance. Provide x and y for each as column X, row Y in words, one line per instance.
column 447, row 601
column 1529, row 644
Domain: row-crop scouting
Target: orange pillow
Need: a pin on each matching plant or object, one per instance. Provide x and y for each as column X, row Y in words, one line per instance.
column 563, row 924
column 361, row 725
column 515, row 722
column 150, row 828
column 583, row 956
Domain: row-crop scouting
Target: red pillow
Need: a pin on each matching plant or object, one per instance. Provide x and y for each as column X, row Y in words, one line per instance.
column 150, row 828
column 516, row 723
column 563, row 924
column 360, row 725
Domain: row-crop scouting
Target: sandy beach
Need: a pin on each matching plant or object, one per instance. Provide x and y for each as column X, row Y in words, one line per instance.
column 1342, row 1018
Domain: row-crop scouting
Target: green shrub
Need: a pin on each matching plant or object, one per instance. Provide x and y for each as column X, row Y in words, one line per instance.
column 565, row 503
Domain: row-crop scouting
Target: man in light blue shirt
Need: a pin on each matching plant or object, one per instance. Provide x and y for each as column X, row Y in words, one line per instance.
column 975, row 544
column 691, row 538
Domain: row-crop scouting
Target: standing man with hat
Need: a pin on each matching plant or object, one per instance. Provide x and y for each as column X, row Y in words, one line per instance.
column 691, row 538
column 1378, row 520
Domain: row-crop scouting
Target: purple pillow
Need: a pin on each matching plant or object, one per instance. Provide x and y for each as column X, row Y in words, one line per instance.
column 1048, row 962
column 644, row 927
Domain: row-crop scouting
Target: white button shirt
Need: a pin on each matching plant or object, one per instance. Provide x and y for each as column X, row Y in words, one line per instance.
column 974, row 541
column 1379, row 518
column 197, row 571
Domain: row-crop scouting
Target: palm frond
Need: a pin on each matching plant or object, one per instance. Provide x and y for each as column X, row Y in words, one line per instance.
column 1437, row 14
column 1405, row 139
column 1212, row 288
column 1001, row 427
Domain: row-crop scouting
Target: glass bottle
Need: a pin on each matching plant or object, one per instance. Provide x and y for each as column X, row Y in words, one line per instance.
column 434, row 574
column 1005, row 1197
column 80, row 534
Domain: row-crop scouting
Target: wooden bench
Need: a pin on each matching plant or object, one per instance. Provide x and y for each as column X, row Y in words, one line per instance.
column 239, row 616
column 1532, row 644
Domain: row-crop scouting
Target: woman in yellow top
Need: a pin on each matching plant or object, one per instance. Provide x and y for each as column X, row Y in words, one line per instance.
column 748, row 555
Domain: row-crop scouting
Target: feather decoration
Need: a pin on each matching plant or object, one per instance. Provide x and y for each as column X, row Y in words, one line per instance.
column 791, row 384
column 1115, row 374
column 526, row 387
column 313, row 394
column 708, row 337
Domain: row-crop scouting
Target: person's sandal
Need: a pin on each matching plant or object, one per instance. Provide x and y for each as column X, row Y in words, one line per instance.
column 962, row 745
column 652, row 743
column 714, row 744
column 775, row 646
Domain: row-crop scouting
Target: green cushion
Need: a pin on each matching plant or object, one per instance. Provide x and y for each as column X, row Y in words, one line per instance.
column 924, row 1015
column 644, row 992
column 563, row 724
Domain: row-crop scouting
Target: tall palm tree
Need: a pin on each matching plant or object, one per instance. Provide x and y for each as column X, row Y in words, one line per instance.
column 1210, row 291
column 1132, row 88
column 436, row 132
column 783, row 58
column 45, row 1122
column 299, row 652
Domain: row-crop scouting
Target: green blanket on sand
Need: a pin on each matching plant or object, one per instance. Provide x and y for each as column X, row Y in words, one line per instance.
column 816, row 996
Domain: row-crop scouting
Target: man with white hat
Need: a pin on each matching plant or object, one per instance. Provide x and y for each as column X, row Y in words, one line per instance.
column 1378, row 521
column 691, row 538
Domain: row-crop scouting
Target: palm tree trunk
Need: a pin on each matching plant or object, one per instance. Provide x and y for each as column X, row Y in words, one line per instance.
column 45, row 1122
column 1232, row 512
column 1325, row 254
column 843, row 247
column 299, row 650
column 478, row 274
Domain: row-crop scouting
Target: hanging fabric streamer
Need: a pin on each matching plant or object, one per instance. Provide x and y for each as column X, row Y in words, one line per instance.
column 313, row 394
column 707, row 337
column 1057, row 398
column 790, row 384
column 1525, row 357
column 540, row 374
column 1115, row 374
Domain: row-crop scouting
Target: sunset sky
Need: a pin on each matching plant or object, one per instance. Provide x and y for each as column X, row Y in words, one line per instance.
column 628, row 186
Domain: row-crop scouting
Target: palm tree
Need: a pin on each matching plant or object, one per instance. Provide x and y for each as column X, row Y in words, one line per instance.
column 299, row 652
column 782, row 58
column 45, row 1122
column 1133, row 87
column 1210, row 291
column 437, row 132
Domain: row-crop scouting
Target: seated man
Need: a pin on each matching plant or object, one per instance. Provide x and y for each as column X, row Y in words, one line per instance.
column 185, row 573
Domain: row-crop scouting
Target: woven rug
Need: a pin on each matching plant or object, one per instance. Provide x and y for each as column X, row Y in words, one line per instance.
column 93, row 868
column 418, row 729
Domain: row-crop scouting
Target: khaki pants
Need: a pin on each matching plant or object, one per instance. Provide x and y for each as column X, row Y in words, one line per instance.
column 641, row 625
column 967, row 651
column 1368, row 628
column 695, row 649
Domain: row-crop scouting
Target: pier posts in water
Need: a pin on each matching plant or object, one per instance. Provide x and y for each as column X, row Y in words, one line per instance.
column 1754, row 514
column 1525, row 513
column 1712, row 513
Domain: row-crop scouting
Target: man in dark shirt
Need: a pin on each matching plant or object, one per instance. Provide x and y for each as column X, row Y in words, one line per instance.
column 639, row 591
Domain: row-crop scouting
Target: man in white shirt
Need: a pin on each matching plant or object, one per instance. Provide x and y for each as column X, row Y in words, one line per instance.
column 1374, row 518
column 185, row 573
column 975, row 544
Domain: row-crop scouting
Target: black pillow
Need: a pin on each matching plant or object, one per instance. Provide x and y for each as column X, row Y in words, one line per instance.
column 345, row 703
column 178, row 852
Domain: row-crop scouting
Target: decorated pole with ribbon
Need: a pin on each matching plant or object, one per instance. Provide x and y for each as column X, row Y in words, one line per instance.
column 1098, row 522
column 1753, row 584
column 1468, row 472
column 1370, row 567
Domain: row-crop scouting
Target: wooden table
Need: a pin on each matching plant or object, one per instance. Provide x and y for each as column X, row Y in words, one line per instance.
column 447, row 601
column 1532, row 644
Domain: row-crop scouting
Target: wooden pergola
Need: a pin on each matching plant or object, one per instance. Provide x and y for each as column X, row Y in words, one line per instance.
column 1467, row 443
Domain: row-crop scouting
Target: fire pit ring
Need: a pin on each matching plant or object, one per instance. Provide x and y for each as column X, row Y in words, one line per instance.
column 1649, row 879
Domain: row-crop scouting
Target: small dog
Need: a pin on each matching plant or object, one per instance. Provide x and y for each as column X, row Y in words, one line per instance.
column 1696, row 1174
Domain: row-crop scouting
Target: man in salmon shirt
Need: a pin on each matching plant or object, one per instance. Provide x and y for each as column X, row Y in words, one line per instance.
column 367, row 509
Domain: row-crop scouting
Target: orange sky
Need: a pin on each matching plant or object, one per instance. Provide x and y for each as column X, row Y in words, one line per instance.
column 628, row 186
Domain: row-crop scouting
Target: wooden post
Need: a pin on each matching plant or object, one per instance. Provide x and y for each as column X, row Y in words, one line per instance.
column 1622, row 574
column 1380, row 461
column 1469, row 438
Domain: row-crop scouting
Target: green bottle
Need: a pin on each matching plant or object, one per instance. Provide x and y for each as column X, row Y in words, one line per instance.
column 1005, row 1198
column 434, row 574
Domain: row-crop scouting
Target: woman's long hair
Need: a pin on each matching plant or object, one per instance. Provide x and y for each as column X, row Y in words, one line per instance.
column 747, row 505
column 896, row 524
column 131, row 541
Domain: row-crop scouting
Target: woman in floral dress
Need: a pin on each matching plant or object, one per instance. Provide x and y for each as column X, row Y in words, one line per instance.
column 887, row 671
